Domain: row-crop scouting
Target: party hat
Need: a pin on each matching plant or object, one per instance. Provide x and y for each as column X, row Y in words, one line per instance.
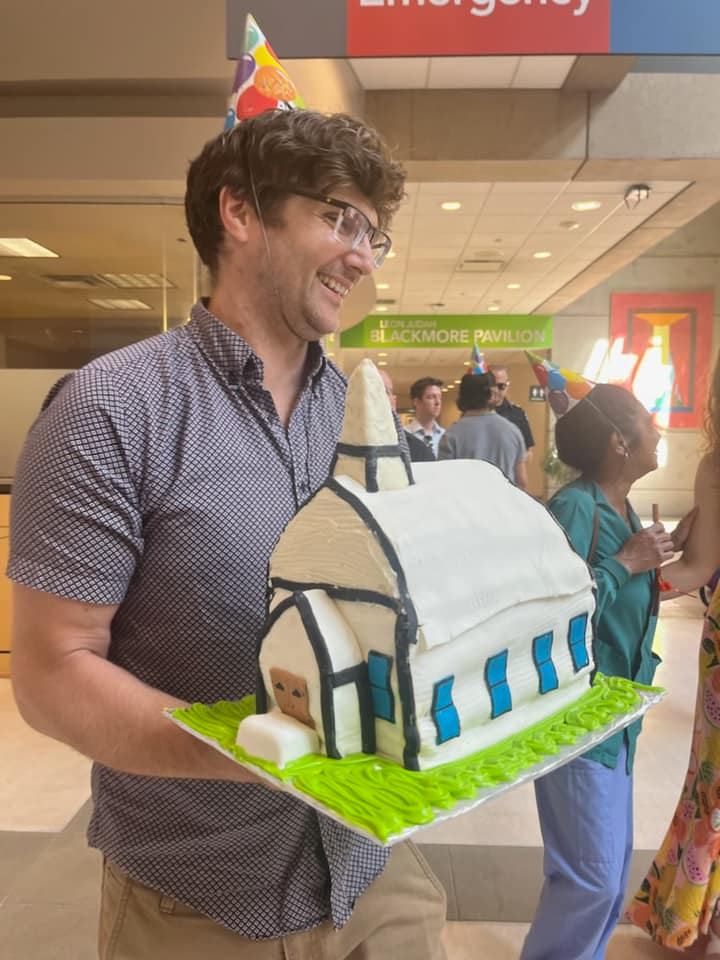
column 478, row 361
column 261, row 82
column 563, row 387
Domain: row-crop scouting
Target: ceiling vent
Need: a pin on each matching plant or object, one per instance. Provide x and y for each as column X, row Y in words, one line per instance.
column 471, row 265
column 75, row 281
column 385, row 301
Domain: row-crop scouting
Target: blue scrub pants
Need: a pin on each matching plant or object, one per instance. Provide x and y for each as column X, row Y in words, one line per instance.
column 586, row 817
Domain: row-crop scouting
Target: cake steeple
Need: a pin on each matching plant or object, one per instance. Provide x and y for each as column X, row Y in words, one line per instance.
column 369, row 451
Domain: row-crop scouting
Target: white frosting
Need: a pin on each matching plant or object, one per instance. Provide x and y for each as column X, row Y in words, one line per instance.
column 486, row 567
column 276, row 737
column 368, row 417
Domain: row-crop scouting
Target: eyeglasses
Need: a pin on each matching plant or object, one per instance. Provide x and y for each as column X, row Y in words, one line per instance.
column 503, row 386
column 351, row 226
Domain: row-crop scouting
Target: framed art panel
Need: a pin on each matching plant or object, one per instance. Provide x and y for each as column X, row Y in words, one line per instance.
column 678, row 328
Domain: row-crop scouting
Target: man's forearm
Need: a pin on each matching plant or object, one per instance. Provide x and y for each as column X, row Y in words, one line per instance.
column 106, row 714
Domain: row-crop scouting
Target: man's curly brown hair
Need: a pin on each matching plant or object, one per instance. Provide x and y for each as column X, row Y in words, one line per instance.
column 282, row 150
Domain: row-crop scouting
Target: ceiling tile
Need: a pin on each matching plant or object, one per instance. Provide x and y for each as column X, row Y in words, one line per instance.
column 542, row 72
column 552, row 187
column 506, row 204
column 431, row 206
column 391, row 73
column 439, row 188
column 499, row 226
column 495, row 241
column 429, row 224
column 462, row 73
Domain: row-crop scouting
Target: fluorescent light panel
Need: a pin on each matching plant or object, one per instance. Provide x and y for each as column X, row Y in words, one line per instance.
column 149, row 281
column 23, row 247
column 120, row 304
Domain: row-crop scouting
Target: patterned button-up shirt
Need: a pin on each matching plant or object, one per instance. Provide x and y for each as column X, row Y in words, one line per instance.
column 159, row 478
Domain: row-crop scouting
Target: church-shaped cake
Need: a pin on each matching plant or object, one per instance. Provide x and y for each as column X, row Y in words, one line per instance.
column 421, row 614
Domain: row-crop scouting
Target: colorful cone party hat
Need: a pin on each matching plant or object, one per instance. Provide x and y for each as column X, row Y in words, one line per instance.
column 261, row 82
column 563, row 387
column 478, row 361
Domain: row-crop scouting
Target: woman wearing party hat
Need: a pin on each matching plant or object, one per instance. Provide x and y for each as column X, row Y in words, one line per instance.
column 585, row 808
column 480, row 434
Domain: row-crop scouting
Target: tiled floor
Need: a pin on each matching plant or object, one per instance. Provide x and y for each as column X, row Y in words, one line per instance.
column 489, row 860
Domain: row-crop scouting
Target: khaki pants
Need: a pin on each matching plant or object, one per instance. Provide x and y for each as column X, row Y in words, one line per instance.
column 399, row 917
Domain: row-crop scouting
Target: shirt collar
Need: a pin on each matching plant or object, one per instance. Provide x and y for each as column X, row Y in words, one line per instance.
column 231, row 354
column 416, row 427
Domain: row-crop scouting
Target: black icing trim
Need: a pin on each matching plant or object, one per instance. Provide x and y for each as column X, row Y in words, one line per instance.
column 372, row 450
column 261, row 697
column 386, row 546
column 371, row 455
column 502, row 683
column 338, row 593
column 577, row 666
column 359, row 676
column 435, row 712
column 406, row 627
column 388, row 689
column 317, row 642
column 540, row 664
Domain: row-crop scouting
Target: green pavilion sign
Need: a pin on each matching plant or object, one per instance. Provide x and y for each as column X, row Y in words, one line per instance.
column 493, row 332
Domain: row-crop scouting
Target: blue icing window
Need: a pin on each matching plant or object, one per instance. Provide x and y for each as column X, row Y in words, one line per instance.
column 443, row 711
column 577, row 643
column 383, row 700
column 542, row 655
column 496, row 680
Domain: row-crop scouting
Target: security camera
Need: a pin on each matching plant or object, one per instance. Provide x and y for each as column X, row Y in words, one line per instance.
column 636, row 194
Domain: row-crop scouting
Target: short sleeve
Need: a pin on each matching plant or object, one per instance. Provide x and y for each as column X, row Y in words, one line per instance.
column 524, row 425
column 76, row 525
column 574, row 510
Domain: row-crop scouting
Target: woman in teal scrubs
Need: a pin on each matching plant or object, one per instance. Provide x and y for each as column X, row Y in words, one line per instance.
column 585, row 807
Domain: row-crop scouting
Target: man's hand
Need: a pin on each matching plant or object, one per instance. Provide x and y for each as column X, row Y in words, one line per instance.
column 682, row 531
column 647, row 549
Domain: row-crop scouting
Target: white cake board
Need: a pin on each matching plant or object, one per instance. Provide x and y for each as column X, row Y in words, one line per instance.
column 647, row 699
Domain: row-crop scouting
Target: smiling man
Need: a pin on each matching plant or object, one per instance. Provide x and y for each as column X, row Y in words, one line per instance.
column 149, row 496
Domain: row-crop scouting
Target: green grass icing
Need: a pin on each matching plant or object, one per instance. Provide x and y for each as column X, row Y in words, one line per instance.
column 383, row 798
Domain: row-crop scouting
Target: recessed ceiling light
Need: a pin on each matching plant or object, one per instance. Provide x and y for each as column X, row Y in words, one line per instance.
column 570, row 225
column 493, row 308
column 382, row 363
column 457, row 381
column 23, row 247
column 582, row 206
column 466, row 363
column 5, row 276
column 542, row 254
column 383, row 286
column 513, row 286
column 382, row 354
column 106, row 304
column 381, row 309
column 391, row 255
column 329, row 354
column 450, row 205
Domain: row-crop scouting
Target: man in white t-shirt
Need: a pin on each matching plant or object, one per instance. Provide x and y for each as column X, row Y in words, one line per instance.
column 426, row 396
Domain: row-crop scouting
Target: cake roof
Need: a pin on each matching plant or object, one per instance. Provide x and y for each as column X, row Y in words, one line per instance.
column 469, row 543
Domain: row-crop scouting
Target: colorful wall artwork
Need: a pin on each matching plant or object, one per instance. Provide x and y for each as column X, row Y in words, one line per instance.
column 670, row 335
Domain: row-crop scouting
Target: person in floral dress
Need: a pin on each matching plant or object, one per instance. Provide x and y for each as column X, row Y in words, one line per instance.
column 677, row 902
